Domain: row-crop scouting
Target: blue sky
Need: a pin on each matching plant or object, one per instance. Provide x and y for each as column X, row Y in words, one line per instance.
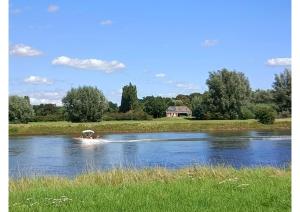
column 164, row 47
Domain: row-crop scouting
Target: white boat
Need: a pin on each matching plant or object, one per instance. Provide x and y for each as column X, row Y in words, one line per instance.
column 87, row 136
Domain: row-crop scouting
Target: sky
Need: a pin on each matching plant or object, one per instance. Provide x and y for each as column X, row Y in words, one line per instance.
column 163, row 47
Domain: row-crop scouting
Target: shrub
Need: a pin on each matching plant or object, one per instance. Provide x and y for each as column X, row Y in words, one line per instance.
column 284, row 114
column 53, row 117
column 130, row 115
column 246, row 113
column 265, row 114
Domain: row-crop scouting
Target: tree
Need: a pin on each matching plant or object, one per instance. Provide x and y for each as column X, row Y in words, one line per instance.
column 155, row 106
column 129, row 99
column 185, row 99
column 20, row 110
column 45, row 109
column 282, row 91
column 198, row 110
column 84, row 104
column 112, row 107
column 178, row 102
column 262, row 96
column 228, row 91
column 192, row 95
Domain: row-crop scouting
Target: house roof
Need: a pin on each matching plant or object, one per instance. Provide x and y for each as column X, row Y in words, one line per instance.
column 178, row 109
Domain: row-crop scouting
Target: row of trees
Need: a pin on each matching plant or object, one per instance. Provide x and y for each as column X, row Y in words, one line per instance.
column 229, row 96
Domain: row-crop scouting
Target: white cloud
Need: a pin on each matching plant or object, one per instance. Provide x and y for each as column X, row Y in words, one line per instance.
column 23, row 50
column 106, row 22
column 210, row 43
column 53, row 8
column 89, row 64
column 160, row 75
column 49, row 97
column 188, row 86
column 284, row 61
column 37, row 80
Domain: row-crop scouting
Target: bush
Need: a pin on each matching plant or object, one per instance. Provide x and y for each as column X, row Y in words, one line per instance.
column 130, row 115
column 53, row 117
column 284, row 114
column 246, row 113
column 265, row 114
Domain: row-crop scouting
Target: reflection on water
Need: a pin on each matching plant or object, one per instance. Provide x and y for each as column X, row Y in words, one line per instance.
column 62, row 155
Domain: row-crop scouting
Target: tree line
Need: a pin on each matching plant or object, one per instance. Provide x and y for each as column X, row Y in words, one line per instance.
column 229, row 96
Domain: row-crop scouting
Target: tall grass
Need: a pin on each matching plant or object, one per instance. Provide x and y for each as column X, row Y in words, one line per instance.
column 189, row 189
column 157, row 125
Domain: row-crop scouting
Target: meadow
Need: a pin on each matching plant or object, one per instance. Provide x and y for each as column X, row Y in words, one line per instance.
column 156, row 125
column 158, row 189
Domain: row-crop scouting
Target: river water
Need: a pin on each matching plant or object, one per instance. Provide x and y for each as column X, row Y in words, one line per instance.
column 63, row 155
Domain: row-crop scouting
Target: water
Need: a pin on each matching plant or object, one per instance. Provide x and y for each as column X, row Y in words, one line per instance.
column 63, row 155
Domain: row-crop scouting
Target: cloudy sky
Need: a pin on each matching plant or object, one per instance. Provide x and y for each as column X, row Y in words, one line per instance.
column 164, row 47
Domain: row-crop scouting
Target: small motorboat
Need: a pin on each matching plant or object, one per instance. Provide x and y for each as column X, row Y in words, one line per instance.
column 87, row 136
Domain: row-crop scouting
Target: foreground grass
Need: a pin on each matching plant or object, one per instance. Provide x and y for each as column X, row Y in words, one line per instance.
column 191, row 189
column 157, row 125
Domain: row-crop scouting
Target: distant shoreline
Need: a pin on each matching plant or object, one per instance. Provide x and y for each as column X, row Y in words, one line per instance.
column 157, row 125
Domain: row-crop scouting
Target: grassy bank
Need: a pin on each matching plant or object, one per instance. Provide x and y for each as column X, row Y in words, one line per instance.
column 191, row 189
column 157, row 125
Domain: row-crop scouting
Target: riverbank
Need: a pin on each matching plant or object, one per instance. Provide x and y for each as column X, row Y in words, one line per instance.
column 190, row 189
column 156, row 125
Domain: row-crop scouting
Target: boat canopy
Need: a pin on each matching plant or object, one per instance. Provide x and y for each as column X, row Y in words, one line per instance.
column 87, row 132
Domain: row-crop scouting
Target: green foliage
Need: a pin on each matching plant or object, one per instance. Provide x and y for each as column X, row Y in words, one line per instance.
column 260, row 96
column 84, row 104
column 48, row 112
column 247, row 112
column 112, row 107
column 192, row 95
column 185, row 99
column 130, row 115
column 198, row 110
column 155, row 106
column 20, row 110
column 265, row 114
column 178, row 102
column 129, row 99
column 228, row 91
column 282, row 90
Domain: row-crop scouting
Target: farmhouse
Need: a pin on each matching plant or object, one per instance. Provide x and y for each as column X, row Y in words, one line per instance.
column 175, row 111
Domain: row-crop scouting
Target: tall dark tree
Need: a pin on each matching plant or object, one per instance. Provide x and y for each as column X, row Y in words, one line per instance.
column 228, row 91
column 282, row 91
column 129, row 99
column 20, row 110
column 84, row 104
column 155, row 106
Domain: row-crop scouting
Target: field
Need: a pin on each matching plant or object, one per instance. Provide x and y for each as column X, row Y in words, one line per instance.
column 156, row 125
column 190, row 189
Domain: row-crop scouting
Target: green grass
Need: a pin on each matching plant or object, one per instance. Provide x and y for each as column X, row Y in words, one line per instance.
column 156, row 125
column 190, row 189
